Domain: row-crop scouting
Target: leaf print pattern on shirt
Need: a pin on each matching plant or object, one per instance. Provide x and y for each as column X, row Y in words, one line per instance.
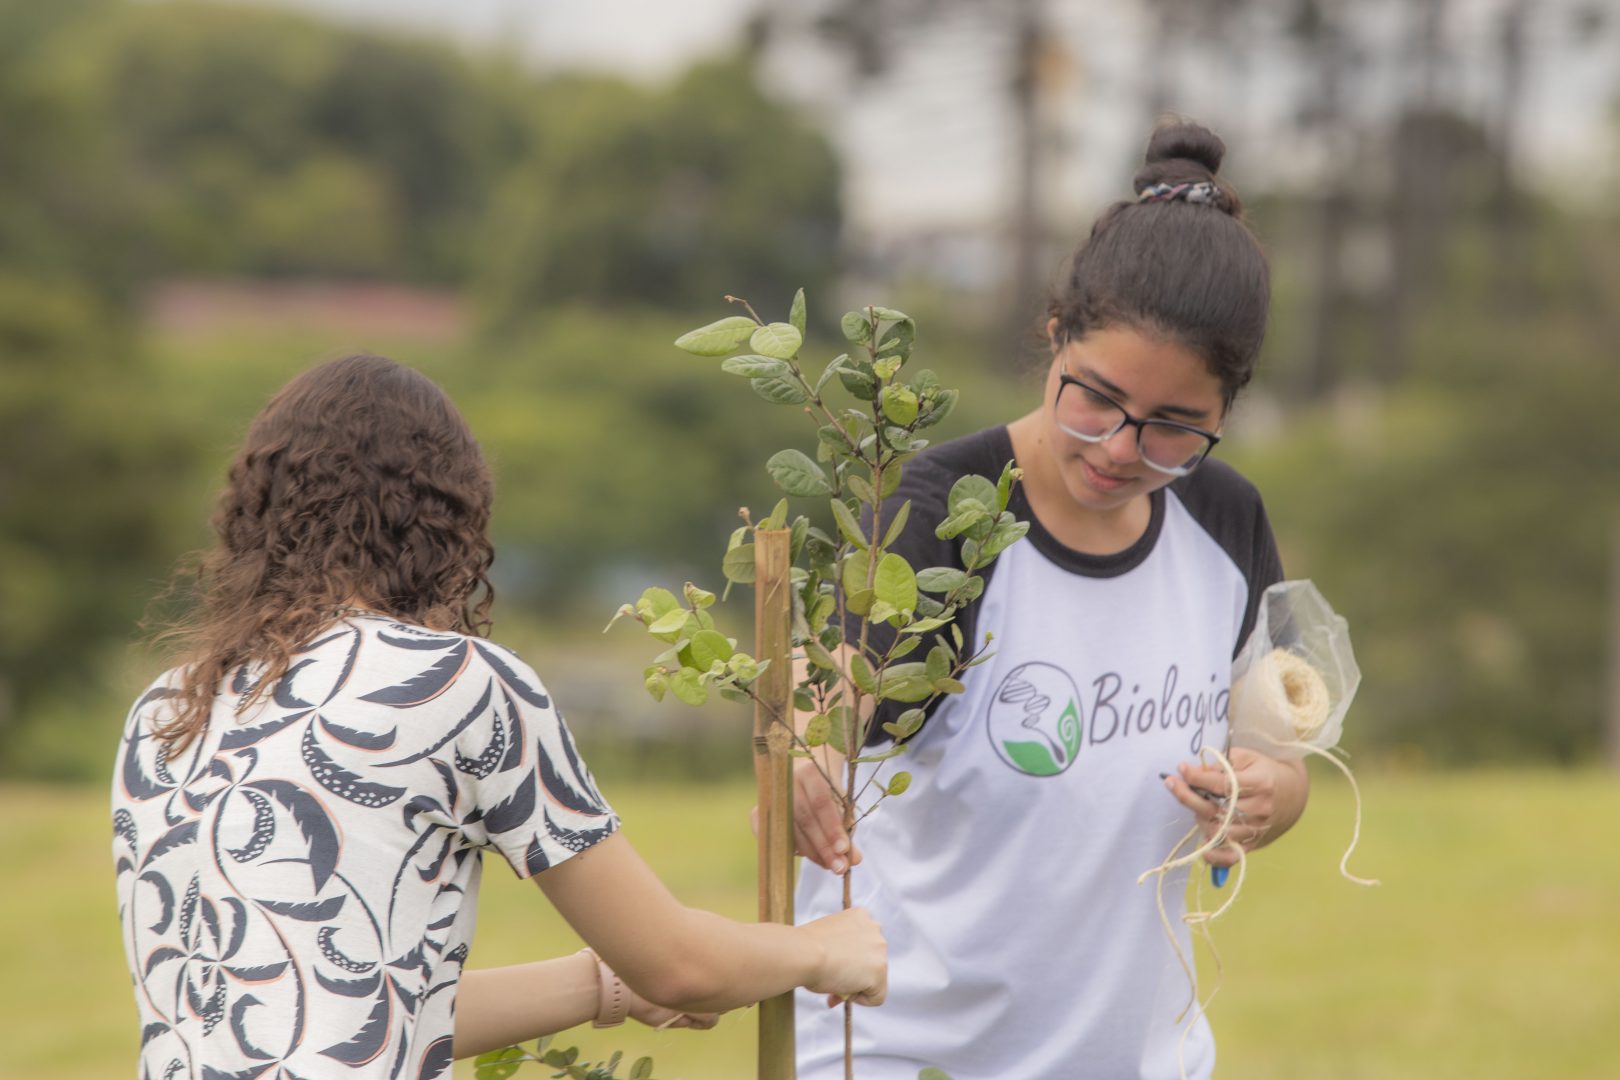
column 297, row 889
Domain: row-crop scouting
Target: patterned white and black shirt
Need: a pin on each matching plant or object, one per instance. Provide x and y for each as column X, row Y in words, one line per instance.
column 298, row 888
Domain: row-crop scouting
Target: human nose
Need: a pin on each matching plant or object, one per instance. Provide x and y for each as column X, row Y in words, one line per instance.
column 1121, row 447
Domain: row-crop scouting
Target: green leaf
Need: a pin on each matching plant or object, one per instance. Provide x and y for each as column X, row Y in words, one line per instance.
column 778, row 516
column 886, row 368
column 847, row 524
column 904, row 646
column 687, row 684
column 922, row 626
column 1010, row 475
column 863, row 491
column 906, row 682
column 796, row 474
column 899, row 782
column 816, row 731
column 928, row 608
column 924, row 381
column 896, row 340
column 838, row 722
column 859, row 379
column 738, row 565
column 1005, row 535
column 718, row 338
column 909, row 722
column 656, row 602
column 938, row 664
column 891, row 479
column 796, row 314
column 971, row 487
column 819, row 656
column 889, row 314
column 820, row 611
column 857, row 328
column 932, row 1073
column 894, row 583
column 669, row 622
column 698, row 598
column 940, row 579
column 884, row 755
column 709, row 646
column 499, row 1064
column 755, row 367
column 949, row 686
column 943, row 402
column 780, row 390
column 882, row 611
column 854, row 572
column 961, row 521
column 860, row 672
column 831, row 369
column 899, row 404
column 642, row 1070
column 778, row 339
column 972, row 589
column 898, row 525
column 657, row 685
column 624, row 610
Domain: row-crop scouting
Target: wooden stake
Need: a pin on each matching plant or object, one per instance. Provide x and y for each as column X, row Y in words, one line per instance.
column 773, row 773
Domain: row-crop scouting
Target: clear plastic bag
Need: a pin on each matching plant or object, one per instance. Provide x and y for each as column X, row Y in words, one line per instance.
column 1295, row 678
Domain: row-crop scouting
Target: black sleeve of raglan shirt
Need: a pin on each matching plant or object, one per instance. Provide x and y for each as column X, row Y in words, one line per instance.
column 1230, row 509
column 926, row 483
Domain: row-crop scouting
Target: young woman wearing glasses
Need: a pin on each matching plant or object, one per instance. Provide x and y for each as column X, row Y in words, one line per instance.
column 302, row 805
column 1020, row 942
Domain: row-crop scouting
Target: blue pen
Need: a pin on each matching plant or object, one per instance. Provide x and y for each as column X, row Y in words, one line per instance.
column 1217, row 874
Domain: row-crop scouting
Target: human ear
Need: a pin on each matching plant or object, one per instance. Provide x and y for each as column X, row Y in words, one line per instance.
column 1052, row 333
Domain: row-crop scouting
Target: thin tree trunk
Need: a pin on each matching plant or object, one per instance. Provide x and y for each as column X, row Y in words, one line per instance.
column 773, row 775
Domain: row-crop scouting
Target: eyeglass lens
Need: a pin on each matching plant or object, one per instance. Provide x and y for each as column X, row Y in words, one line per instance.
column 1089, row 415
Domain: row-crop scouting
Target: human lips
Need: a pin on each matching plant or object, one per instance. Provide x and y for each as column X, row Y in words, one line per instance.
column 1102, row 481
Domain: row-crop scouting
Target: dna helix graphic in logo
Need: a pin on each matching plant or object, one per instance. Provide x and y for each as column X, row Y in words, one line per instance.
column 1034, row 719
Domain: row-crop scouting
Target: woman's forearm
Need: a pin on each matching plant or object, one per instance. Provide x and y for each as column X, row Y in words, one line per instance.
column 500, row 1006
column 730, row 964
column 668, row 953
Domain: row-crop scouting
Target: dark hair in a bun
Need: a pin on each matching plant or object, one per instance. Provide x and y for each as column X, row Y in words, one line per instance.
column 1185, row 265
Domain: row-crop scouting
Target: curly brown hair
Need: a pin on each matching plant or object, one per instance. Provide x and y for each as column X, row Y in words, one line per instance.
column 359, row 485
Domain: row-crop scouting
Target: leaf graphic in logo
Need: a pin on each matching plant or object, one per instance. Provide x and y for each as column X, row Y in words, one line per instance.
column 1032, row 757
column 1069, row 728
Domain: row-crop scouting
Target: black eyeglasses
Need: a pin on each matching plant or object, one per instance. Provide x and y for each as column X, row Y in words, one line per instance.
column 1167, row 446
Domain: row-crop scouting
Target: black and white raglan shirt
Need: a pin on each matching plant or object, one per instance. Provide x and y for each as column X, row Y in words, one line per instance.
column 1020, row 944
column 298, row 888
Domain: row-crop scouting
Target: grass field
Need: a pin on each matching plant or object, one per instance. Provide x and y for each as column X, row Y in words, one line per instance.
column 1492, row 950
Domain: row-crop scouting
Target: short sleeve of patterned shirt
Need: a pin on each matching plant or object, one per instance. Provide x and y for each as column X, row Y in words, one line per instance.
column 298, row 888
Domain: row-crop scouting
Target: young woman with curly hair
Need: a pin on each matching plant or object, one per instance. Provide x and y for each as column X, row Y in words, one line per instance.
column 300, row 806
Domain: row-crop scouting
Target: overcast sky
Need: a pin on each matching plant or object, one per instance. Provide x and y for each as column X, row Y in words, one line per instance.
column 932, row 144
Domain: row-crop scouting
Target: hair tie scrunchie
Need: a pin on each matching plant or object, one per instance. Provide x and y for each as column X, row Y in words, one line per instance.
column 1201, row 192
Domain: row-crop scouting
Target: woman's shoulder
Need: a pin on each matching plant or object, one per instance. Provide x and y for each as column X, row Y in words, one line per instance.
column 984, row 453
column 408, row 642
column 1217, row 486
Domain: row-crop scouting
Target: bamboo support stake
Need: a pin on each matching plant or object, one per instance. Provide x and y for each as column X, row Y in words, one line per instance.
column 773, row 773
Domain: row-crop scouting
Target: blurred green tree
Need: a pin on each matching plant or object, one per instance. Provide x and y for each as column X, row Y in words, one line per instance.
column 668, row 196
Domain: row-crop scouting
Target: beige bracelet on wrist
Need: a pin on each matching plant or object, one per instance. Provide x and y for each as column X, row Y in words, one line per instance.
column 612, row 996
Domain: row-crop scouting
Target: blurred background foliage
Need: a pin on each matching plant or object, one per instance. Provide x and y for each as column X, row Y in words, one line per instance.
column 197, row 200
